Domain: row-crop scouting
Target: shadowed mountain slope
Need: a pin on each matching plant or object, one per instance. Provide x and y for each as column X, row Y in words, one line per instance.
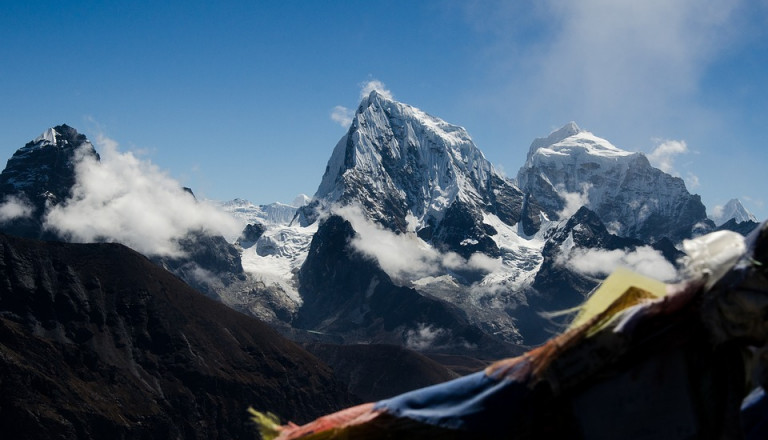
column 98, row 342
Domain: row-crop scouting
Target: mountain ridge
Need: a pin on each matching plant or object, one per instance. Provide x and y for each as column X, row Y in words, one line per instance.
column 98, row 342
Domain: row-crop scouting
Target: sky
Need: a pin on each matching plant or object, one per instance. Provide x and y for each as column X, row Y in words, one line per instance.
column 247, row 99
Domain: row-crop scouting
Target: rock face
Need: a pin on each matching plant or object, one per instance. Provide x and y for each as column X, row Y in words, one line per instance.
column 411, row 171
column 572, row 167
column 556, row 286
column 347, row 296
column 209, row 263
column 97, row 342
column 41, row 174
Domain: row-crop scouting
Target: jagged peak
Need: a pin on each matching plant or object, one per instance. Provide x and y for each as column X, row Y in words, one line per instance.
column 374, row 96
column 382, row 101
column 556, row 136
column 734, row 209
column 48, row 136
column 59, row 135
column 399, row 155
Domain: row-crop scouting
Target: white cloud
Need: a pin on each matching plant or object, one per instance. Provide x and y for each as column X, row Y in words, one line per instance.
column 13, row 208
column 406, row 257
column 663, row 156
column 482, row 262
column 717, row 211
column 692, row 180
column 423, row 337
column 597, row 262
column 367, row 87
column 131, row 201
column 342, row 116
column 403, row 256
column 634, row 66
column 573, row 200
column 610, row 53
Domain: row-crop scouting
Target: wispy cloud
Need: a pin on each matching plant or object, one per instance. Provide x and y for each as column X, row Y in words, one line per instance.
column 632, row 66
column 573, row 200
column 717, row 211
column 13, row 208
column 692, row 180
column 342, row 115
column 424, row 337
column 367, row 87
column 131, row 201
column 609, row 51
column 664, row 155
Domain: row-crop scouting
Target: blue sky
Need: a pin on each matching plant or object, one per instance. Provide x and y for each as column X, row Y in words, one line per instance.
column 235, row 99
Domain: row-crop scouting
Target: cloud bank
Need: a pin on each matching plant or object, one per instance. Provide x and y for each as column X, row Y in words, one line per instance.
column 131, row 201
column 406, row 257
column 598, row 262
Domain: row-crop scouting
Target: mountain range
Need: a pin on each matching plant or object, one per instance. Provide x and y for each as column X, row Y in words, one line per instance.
column 426, row 205
column 413, row 244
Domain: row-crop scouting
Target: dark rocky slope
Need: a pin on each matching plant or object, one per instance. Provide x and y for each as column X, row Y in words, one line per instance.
column 98, row 342
column 379, row 371
column 349, row 298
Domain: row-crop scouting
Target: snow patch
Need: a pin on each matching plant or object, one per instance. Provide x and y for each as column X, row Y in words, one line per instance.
column 47, row 137
column 277, row 257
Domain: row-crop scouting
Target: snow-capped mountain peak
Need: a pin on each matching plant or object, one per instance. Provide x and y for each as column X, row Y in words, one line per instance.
column 571, row 141
column 573, row 167
column 732, row 210
column 60, row 136
column 449, row 133
column 400, row 156
column 556, row 136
